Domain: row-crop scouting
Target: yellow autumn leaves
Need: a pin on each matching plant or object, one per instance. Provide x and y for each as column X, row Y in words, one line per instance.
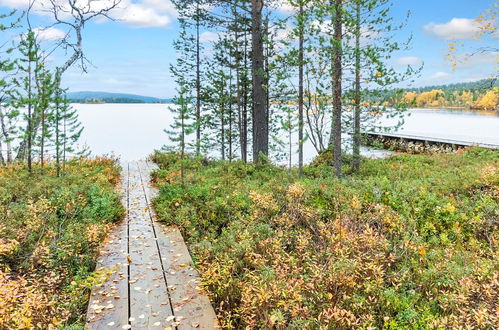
column 50, row 230
column 438, row 98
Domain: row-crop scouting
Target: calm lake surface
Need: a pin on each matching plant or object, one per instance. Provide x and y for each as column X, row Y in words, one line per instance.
column 133, row 131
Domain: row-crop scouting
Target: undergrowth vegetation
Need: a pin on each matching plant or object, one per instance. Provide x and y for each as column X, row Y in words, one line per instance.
column 50, row 231
column 409, row 242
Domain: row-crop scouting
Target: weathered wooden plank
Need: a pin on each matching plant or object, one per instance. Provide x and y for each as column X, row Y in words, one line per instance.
column 142, row 259
column 108, row 306
column 191, row 306
column 149, row 300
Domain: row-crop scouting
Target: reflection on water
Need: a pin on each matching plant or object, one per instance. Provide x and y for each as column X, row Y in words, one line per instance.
column 460, row 112
column 133, row 131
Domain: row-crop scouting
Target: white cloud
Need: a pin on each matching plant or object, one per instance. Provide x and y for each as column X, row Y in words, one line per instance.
column 457, row 28
column 409, row 60
column 49, row 34
column 440, row 77
column 208, row 36
column 285, row 7
column 14, row 3
column 142, row 14
column 481, row 59
column 164, row 6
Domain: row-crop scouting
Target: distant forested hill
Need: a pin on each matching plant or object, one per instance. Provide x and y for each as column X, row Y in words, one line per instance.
column 103, row 97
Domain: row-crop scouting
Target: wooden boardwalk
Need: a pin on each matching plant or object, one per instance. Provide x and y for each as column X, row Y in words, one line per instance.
column 432, row 140
column 146, row 270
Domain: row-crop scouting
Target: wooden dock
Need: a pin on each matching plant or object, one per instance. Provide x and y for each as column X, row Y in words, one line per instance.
column 148, row 281
column 455, row 144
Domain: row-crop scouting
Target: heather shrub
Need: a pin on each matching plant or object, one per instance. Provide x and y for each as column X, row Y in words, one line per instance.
column 50, row 233
column 410, row 242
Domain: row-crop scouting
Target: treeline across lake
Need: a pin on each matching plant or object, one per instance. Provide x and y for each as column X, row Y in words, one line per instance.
column 481, row 95
column 106, row 97
column 120, row 100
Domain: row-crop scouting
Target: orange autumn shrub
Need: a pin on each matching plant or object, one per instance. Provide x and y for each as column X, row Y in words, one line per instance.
column 410, row 242
column 50, row 231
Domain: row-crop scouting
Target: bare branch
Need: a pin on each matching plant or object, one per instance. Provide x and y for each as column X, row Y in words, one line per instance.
column 75, row 14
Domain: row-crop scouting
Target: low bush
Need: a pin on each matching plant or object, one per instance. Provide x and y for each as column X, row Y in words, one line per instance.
column 410, row 242
column 50, row 232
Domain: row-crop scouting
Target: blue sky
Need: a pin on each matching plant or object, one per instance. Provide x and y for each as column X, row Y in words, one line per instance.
column 133, row 55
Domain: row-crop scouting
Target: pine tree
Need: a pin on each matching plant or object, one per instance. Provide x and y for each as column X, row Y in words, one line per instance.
column 260, row 110
column 193, row 16
column 185, row 121
column 29, row 67
column 370, row 20
column 183, row 124
column 45, row 88
column 241, row 29
column 337, row 84
column 8, row 112
column 288, row 123
column 67, row 128
column 219, row 96
column 297, row 58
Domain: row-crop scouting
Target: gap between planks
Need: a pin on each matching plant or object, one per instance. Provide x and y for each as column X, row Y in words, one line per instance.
column 151, row 283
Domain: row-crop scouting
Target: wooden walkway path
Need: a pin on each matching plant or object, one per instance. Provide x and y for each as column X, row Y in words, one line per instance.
column 433, row 140
column 149, row 279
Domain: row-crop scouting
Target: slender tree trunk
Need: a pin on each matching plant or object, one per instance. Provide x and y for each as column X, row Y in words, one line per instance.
column 230, row 113
column 239, row 82
column 244, row 145
column 333, row 84
column 290, row 141
column 260, row 119
column 30, row 119
column 9, row 150
column 182, row 146
column 301, row 98
column 23, row 145
column 2, row 159
column 267, row 52
column 6, row 135
column 42, row 142
column 222, row 116
column 239, row 94
column 57, row 137
column 198, row 82
column 356, row 133
column 337, row 102
column 2, row 134
column 64, row 146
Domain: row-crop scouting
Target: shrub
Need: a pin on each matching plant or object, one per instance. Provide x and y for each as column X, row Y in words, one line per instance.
column 410, row 242
column 50, row 232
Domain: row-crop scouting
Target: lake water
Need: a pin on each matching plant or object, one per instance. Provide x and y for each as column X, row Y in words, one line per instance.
column 133, row 131
column 460, row 125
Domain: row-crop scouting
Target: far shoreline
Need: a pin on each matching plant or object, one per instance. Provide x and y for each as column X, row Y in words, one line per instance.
column 453, row 108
